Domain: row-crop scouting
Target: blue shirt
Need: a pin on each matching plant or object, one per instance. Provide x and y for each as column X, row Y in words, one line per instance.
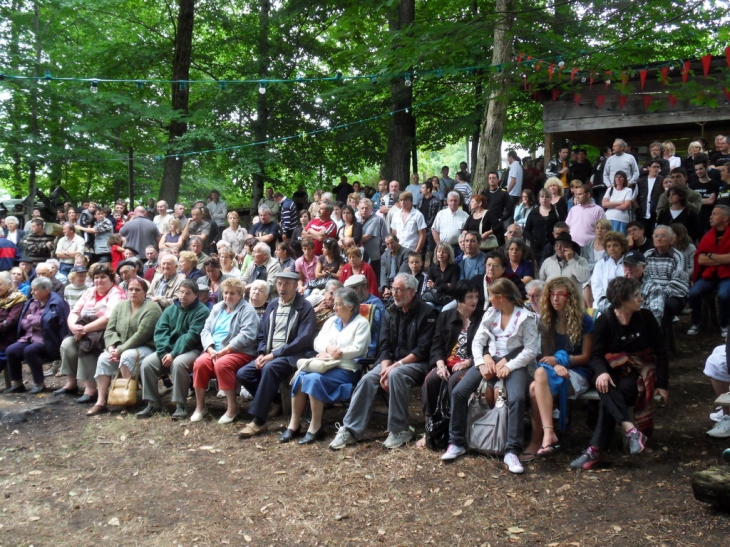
column 221, row 329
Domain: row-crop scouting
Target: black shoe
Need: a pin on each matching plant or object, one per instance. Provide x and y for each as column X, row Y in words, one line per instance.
column 86, row 399
column 148, row 412
column 67, row 391
column 35, row 390
column 20, row 388
column 289, row 435
column 310, row 437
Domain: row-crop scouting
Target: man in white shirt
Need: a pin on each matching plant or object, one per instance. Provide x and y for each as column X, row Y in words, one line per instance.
column 620, row 161
column 218, row 209
column 514, row 178
column 415, row 188
column 409, row 225
column 68, row 247
column 449, row 222
column 162, row 218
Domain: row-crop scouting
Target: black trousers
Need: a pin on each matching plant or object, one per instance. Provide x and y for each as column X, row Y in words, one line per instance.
column 614, row 408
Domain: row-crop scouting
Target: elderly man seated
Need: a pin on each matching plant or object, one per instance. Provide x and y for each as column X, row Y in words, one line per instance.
column 263, row 267
column 401, row 365
column 566, row 262
column 665, row 265
column 167, row 282
column 286, row 335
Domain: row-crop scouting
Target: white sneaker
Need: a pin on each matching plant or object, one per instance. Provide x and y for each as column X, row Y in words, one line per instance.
column 676, row 319
column 693, row 330
column 512, row 461
column 221, row 394
column 342, row 439
column 721, row 429
column 396, row 440
column 452, row 452
column 717, row 416
column 198, row 415
column 245, row 395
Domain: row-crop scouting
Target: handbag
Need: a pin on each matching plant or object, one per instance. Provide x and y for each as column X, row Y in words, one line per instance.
column 489, row 243
column 318, row 283
column 486, row 430
column 316, row 364
column 123, row 391
column 437, row 425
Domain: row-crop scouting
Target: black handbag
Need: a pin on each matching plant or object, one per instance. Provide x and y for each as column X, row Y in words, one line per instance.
column 437, row 426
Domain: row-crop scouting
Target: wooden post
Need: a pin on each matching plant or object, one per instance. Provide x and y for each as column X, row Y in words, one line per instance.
column 548, row 149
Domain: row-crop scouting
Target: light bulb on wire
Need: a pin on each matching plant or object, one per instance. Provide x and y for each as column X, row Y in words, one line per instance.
column 94, row 88
column 262, row 88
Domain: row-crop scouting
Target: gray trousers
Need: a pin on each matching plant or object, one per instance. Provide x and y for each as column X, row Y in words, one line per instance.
column 179, row 371
column 401, row 381
column 77, row 363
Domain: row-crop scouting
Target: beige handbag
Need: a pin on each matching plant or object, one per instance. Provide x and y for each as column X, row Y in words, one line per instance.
column 123, row 391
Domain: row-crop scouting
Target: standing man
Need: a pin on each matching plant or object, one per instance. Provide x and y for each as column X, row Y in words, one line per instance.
column 322, row 227
column 707, row 188
column 679, row 177
column 415, row 189
column 68, row 247
column 430, row 206
column 342, row 190
column 139, row 232
column 560, row 168
column 656, row 153
column 712, row 270
column 446, row 184
column 266, row 230
column 464, row 172
column 514, row 179
column 218, row 210
column 498, row 200
column 177, row 345
column 620, row 161
column 648, row 191
column 269, row 201
column 449, row 222
column 286, row 334
column 179, row 213
column 162, row 218
column 409, row 225
column 288, row 213
column 373, row 232
column 401, row 366
column 583, row 216
column 387, row 201
column 581, row 169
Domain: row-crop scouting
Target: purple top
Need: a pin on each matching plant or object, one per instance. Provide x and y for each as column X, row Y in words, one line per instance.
column 30, row 324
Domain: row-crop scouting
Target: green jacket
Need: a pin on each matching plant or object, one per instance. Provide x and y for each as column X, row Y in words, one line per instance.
column 126, row 331
column 178, row 330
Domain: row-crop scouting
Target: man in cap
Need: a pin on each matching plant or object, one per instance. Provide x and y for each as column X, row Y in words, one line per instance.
column 286, row 334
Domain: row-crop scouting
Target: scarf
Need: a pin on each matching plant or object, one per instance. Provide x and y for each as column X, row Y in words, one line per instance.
column 643, row 362
column 11, row 299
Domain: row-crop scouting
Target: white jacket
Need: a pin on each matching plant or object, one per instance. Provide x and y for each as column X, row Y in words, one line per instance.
column 527, row 335
column 353, row 340
column 603, row 272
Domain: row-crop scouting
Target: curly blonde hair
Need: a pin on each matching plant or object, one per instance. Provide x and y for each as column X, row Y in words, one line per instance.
column 574, row 312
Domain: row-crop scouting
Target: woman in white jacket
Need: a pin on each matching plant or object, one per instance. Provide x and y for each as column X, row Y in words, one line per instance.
column 610, row 266
column 505, row 344
column 343, row 338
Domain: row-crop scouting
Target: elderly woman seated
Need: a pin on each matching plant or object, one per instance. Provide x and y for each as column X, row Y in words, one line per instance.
column 259, row 296
column 40, row 329
column 128, row 339
column 323, row 301
column 331, row 375
column 87, row 321
column 229, row 342
column 11, row 304
column 629, row 359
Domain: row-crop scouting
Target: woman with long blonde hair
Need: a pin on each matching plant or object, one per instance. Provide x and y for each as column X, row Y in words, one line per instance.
column 563, row 371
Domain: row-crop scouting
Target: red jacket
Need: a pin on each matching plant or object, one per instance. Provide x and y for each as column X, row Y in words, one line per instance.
column 367, row 271
column 708, row 244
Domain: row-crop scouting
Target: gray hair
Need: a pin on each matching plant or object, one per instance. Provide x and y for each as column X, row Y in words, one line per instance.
column 724, row 208
column 349, row 298
column 262, row 248
column 333, row 283
column 535, row 284
column 196, row 239
column 408, row 280
column 455, row 194
column 166, row 253
column 42, row 283
column 6, row 278
column 665, row 227
column 54, row 263
column 263, row 285
column 327, row 196
column 329, row 206
column 621, row 142
column 43, row 266
column 366, row 201
column 13, row 218
column 263, row 208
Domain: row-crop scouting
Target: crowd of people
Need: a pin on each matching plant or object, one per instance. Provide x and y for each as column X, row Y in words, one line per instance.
column 364, row 290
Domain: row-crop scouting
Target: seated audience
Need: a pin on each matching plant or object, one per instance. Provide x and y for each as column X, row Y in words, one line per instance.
column 610, row 266
column 263, row 267
column 519, row 261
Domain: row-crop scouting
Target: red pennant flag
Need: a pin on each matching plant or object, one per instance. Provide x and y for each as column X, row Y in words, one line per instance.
column 642, row 77
column 519, row 58
column 556, row 94
column 727, row 93
column 672, row 100
column 665, row 72
column 647, row 101
column 727, row 55
column 622, row 101
column 600, row 99
column 551, row 68
column 591, row 83
column 573, row 73
column 685, row 72
column 624, row 78
column 577, row 97
column 537, row 66
column 706, row 60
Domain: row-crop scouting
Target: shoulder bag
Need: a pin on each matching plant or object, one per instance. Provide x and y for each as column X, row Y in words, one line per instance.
column 486, row 427
column 437, row 426
column 123, row 391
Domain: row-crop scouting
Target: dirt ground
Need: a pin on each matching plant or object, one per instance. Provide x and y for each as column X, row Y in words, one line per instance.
column 113, row 480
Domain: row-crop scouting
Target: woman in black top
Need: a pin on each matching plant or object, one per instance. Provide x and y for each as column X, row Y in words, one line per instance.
column 629, row 361
column 482, row 221
column 443, row 273
column 539, row 226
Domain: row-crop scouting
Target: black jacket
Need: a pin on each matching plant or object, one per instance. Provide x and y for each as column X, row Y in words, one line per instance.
column 406, row 333
column 642, row 193
column 448, row 327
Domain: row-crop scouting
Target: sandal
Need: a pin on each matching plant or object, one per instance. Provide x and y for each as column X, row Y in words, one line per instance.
column 528, row 456
column 421, row 443
column 549, row 450
column 97, row 409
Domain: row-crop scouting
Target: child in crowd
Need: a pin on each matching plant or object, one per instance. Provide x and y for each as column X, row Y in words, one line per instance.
column 117, row 251
column 118, row 221
column 415, row 264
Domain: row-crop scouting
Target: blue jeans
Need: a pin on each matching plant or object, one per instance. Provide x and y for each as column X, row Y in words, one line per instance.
column 619, row 226
column 708, row 286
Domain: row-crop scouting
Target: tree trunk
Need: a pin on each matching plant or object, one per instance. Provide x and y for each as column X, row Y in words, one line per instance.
column 490, row 142
column 402, row 132
column 170, row 188
column 260, row 126
column 32, row 165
